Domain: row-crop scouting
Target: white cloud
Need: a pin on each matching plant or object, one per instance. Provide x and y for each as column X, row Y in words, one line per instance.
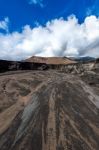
column 58, row 38
column 36, row 2
column 4, row 24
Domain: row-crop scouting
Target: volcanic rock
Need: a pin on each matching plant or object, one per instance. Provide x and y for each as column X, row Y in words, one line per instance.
column 56, row 109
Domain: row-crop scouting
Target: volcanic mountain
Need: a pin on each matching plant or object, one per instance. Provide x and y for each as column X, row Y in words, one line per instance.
column 50, row 60
column 52, row 109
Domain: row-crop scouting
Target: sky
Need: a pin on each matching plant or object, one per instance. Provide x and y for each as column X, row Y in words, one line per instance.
column 48, row 28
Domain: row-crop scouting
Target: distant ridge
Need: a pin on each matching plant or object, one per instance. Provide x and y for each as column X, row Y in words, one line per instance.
column 50, row 60
column 82, row 59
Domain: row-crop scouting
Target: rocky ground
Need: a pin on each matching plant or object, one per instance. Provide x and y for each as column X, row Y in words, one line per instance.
column 49, row 110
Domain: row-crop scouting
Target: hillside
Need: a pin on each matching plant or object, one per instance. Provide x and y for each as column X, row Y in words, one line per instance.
column 50, row 60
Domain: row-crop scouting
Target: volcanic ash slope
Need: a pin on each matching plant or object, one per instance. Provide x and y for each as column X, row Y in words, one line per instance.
column 48, row 111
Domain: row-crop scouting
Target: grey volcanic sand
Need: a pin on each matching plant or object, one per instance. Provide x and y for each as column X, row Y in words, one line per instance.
column 49, row 110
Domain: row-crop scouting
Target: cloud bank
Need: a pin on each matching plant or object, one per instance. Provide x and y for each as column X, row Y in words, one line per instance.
column 58, row 37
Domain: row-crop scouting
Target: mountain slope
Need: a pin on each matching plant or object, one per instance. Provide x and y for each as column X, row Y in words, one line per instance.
column 82, row 59
column 49, row 110
column 50, row 60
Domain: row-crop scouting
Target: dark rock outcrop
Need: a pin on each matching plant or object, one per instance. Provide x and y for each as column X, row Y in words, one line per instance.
column 15, row 65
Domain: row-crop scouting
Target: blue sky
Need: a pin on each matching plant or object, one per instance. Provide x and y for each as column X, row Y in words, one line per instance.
column 48, row 28
column 22, row 12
